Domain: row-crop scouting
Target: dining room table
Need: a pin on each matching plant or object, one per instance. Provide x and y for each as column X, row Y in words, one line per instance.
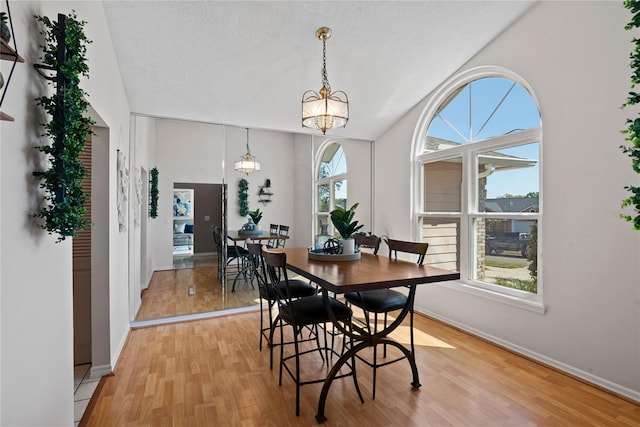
column 238, row 237
column 367, row 272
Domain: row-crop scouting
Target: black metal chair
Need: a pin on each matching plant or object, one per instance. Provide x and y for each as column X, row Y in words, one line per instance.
column 300, row 313
column 284, row 232
column 268, row 295
column 233, row 254
column 371, row 241
column 384, row 301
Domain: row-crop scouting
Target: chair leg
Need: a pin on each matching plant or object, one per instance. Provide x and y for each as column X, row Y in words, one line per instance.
column 295, row 343
column 353, row 362
column 261, row 323
column 281, row 352
column 375, row 356
column 413, row 350
column 271, row 332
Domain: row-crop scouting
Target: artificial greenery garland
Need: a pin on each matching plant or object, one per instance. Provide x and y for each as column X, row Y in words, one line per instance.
column 632, row 131
column 243, row 197
column 153, row 206
column 64, row 53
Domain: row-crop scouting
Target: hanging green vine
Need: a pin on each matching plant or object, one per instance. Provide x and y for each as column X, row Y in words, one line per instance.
column 64, row 54
column 632, row 132
column 153, row 193
column 243, row 197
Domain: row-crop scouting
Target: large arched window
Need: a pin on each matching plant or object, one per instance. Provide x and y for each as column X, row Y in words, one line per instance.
column 331, row 186
column 478, row 171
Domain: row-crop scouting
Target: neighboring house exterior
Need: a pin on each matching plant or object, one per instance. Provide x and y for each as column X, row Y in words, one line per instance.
column 511, row 204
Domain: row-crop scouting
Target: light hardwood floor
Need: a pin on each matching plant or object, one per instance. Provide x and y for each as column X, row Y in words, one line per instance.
column 168, row 292
column 211, row 373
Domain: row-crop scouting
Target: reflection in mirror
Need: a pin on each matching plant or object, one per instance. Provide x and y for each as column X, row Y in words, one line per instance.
column 176, row 259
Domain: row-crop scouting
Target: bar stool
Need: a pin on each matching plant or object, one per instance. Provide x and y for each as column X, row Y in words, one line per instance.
column 269, row 295
column 384, row 301
column 283, row 231
column 298, row 313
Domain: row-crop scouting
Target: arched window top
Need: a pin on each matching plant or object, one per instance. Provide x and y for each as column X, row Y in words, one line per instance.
column 481, row 109
column 332, row 162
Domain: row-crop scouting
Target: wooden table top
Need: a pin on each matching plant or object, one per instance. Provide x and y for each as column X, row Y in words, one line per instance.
column 367, row 273
column 237, row 237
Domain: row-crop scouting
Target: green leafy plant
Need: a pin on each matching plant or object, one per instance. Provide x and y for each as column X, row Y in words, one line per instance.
column 243, row 197
column 632, row 132
column 256, row 216
column 153, row 193
column 5, row 34
column 64, row 53
column 342, row 220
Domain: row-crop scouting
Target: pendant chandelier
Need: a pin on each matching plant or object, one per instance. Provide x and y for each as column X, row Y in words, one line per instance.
column 325, row 109
column 247, row 163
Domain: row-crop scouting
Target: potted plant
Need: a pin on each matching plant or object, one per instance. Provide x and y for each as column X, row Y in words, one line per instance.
column 63, row 211
column 342, row 220
column 256, row 216
column 5, row 34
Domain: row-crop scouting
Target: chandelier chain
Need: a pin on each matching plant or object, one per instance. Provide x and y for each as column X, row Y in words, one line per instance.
column 325, row 79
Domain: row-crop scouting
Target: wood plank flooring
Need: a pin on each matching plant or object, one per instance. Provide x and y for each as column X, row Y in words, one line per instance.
column 211, row 373
column 168, row 293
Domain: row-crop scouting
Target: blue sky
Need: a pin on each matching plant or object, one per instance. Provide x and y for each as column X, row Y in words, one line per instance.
column 491, row 107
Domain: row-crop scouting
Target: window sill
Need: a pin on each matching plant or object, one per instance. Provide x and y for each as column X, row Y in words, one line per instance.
column 526, row 301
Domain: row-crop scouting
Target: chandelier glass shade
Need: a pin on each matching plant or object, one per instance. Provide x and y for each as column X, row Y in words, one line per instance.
column 247, row 163
column 324, row 109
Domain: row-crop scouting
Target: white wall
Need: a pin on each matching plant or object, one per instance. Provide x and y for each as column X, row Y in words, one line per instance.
column 575, row 56
column 201, row 152
column 275, row 151
column 184, row 152
column 35, row 277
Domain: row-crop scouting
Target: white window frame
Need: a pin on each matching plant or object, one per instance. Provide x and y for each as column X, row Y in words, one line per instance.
column 469, row 212
column 330, row 180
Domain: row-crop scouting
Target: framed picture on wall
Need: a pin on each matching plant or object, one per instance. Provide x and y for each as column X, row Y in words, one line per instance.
column 182, row 203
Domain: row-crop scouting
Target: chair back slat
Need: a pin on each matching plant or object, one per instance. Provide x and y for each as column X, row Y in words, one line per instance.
column 276, row 270
column 283, row 231
column 372, row 241
column 418, row 248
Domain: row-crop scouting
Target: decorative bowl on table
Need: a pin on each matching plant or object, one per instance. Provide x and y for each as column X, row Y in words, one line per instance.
column 321, row 255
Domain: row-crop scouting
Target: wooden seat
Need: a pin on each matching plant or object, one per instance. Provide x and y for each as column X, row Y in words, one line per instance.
column 384, row 301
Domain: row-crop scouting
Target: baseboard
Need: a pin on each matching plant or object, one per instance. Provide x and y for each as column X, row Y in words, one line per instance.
column 587, row 377
column 187, row 317
column 97, row 372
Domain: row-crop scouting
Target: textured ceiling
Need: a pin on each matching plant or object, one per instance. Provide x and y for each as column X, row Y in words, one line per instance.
column 248, row 63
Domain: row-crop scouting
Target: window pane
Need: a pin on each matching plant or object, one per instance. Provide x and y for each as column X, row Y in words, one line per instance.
column 508, row 179
column 480, row 110
column 323, row 225
column 443, row 236
column 333, row 162
column 323, row 198
column 340, row 194
column 507, row 253
column 443, row 186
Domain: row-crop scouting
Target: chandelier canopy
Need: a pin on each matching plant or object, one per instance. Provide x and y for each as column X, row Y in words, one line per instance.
column 324, row 109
